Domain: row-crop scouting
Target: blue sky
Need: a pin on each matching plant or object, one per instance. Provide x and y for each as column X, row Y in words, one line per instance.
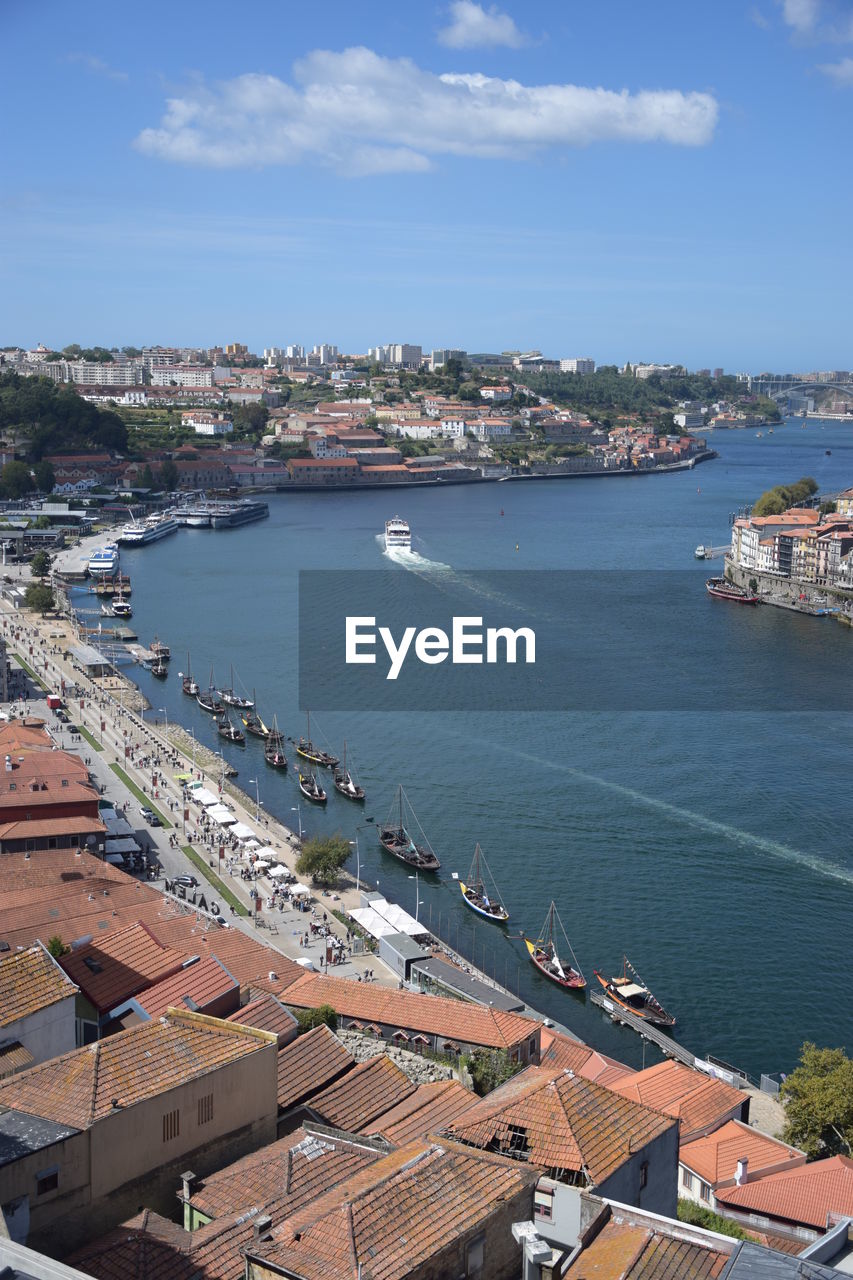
column 657, row 181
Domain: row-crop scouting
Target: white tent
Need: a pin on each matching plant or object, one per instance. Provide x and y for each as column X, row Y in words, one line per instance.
column 220, row 814
column 275, row 872
column 242, row 832
column 249, row 846
column 300, row 891
column 260, row 865
column 271, row 855
column 204, row 797
column 382, row 918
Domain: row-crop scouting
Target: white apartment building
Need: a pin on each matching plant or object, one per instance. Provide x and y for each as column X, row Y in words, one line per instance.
column 688, row 421
column 117, row 373
column 643, row 371
column 327, row 352
column 440, row 356
column 294, row 352
column 182, row 375
column 577, row 364
column 159, row 357
column 496, row 394
column 490, row 428
column 207, row 424
column 323, row 447
column 405, row 354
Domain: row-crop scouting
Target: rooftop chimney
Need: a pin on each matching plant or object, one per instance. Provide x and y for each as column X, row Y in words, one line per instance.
column 741, row 1173
column 187, row 1180
column 263, row 1225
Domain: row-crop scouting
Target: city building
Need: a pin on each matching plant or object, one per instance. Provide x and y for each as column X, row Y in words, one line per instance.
column 699, row 1103
column 729, row 1157
column 182, row 375
column 206, row 423
column 36, row 1009
column 577, row 364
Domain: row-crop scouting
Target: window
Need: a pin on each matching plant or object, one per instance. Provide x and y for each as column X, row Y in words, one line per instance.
column 475, row 1255
column 705, row 1192
column 543, row 1203
column 205, row 1109
column 13, row 786
column 687, row 1179
column 644, row 1174
column 47, row 1181
column 532, row 1046
column 171, row 1125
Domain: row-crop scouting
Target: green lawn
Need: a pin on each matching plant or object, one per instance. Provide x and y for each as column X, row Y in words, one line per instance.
column 26, row 666
column 212, row 878
column 140, row 795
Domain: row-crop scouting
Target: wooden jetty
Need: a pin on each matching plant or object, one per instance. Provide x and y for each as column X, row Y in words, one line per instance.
column 671, row 1048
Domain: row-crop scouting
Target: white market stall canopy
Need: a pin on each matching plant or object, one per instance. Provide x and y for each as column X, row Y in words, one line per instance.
column 260, row 865
column 242, row 832
column 383, row 918
column 271, row 855
column 220, row 814
column 204, row 797
column 300, row 891
column 275, row 872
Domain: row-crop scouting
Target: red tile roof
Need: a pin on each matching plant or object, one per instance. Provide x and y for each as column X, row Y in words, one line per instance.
column 430, row 1109
column 29, row 981
column 79, row 1088
column 283, row 1176
column 715, row 1156
column 571, row 1055
column 268, row 1014
column 701, row 1104
column 561, row 1122
column 309, row 1063
column 361, row 1095
column 623, row 1251
column 436, row 1015
column 112, row 969
column 194, row 987
column 391, row 1219
column 805, row 1195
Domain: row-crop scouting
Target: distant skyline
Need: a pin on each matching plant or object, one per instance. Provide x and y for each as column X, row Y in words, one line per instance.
column 663, row 183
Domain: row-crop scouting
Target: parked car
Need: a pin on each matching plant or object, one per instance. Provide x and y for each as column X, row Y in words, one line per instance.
column 149, row 815
column 189, row 882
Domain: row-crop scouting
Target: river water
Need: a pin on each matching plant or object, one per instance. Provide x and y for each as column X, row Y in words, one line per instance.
column 713, row 847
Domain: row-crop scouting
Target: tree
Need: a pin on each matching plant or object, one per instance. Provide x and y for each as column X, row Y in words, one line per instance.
column 40, row 565
column 323, row 857
column 818, row 1098
column 698, row 1216
column 43, row 522
column 57, row 947
column 323, row 1016
column 45, row 477
column 39, row 598
column 169, row 475
column 489, row 1068
column 146, row 477
column 15, row 480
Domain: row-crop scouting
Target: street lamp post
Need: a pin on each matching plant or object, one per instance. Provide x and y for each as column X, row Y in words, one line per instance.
column 166, row 714
column 357, row 862
column 298, row 811
column 418, row 903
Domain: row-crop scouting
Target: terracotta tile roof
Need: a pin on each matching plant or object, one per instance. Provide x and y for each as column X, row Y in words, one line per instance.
column 571, row 1055
column 243, row 956
column 561, row 1122
column 804, row 1195
column 14, row 1057
column 202, row 983
column 623, row 1251
column 267, row 1013
column 147, row 1246
column 390, row 1219
column 282, row 1177
column 352, row 1102
column 715, row 1156
column 78, row 1088
column 699, row 1103
column 35, row 829
column 309, row 1063
column 430, row 1109
column 437, row 1015
column 112, row 969
column 30, row 980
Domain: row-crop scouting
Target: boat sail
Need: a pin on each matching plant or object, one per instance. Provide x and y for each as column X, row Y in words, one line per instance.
column 543, row 952
column 631, row 993
column 211, row 700
column 306, row 748
column 345, row 783
column 396, row 839
column 189, row 686
column 252, row 722
column 232, row 699
column 476, row 893
column 274, row 747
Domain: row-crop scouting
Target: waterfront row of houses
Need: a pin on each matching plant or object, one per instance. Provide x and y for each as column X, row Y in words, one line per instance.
column 800, row 544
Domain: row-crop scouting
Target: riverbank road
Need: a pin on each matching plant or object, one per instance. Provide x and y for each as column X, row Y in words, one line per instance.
column 136, row 767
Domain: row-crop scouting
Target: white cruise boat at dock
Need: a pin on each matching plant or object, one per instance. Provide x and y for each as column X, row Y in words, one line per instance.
column 397, row 534
column 152, row 529
column 104, row 561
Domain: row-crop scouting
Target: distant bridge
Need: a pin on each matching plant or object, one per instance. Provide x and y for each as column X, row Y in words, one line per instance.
column 781, row 386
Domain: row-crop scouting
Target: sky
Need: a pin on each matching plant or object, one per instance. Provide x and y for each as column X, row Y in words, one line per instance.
column 661, row 181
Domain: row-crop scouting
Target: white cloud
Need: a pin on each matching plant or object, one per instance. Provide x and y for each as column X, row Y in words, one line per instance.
column 97, row 65
column 360, row 113
column 829, row 21
column 472, row 27
column 802, row 15
column 841, row 72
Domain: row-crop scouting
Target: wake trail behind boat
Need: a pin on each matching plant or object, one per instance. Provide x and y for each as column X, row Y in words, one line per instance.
column 745, row 839
column 408, row 559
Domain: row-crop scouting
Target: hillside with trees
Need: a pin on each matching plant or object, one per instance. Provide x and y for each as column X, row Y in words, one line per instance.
column 43, row 417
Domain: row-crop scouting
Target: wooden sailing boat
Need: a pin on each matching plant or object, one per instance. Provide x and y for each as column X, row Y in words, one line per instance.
column 232, row 699
column 160, row 650
column 396, row 839
column 543, row 952
column 631, row 993
column 211, row 700
column 189, row 686
column 274, row 747
column 160, row 668
column 306, row 748
column 476, row 893
column 311, row 789
column 229, row 731
column 252, row 722
column 344, row 782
